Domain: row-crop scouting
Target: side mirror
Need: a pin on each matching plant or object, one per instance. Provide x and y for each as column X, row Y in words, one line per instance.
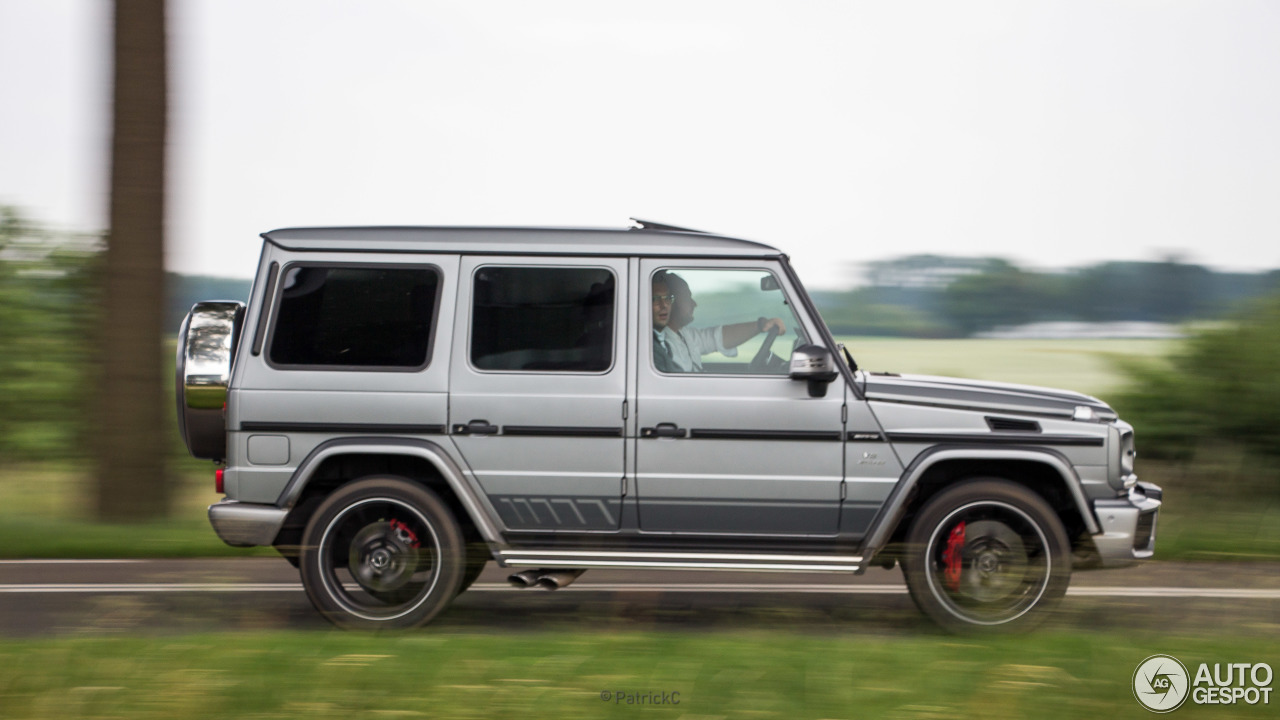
column 813, row 364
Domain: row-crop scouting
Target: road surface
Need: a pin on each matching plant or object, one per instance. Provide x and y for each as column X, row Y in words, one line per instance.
column 42, row 598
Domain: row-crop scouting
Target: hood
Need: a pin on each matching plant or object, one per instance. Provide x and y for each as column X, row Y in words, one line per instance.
column 980, row 395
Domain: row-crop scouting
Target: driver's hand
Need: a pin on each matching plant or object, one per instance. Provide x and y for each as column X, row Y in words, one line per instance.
column 774, row 323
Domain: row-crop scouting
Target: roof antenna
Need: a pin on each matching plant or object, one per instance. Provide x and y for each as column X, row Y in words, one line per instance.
column 650, row 225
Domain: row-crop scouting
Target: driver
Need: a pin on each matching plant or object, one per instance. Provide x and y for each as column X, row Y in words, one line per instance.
column 679, row 347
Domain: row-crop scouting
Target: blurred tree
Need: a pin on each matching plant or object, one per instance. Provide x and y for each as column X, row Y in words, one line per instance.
column 130, row 447
column 1223, row 386
column 44, row 293
column 1001, row 294
column 922, row 271
column 881, row 312
column 1167, row 291
column 954, row 296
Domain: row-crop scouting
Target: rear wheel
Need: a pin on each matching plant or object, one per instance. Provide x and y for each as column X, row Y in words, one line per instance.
column 382, row 553
column 987, row 556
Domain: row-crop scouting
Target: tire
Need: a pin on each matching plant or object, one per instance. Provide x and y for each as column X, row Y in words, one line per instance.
column 478, row 556
column 382, row 554
column 986, row 556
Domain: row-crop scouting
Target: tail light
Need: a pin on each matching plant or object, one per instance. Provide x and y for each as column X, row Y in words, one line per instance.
column 217, row 481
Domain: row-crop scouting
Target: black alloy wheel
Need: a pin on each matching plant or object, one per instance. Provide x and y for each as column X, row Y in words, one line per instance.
column 382, row 553
column 987, row 555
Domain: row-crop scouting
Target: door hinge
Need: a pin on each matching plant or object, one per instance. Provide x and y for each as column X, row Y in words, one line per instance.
column 844, row 490
column 624, row 409
column 624, row 486
column 844, row 413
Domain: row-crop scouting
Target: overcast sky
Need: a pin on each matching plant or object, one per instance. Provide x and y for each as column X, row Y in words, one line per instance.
column 1052, row 133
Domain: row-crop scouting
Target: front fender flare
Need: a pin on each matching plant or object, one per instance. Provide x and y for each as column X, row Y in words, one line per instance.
column 895, row 507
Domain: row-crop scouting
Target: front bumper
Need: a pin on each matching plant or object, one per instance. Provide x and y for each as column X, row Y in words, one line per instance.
column 246, row 524
column 1128, row 526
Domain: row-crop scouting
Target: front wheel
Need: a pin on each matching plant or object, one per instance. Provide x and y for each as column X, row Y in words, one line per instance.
column 478, row 556
column 382, row 553
column 987, row 556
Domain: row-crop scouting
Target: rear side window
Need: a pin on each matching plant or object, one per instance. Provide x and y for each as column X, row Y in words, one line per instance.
column 355, row 317
column 542, row 319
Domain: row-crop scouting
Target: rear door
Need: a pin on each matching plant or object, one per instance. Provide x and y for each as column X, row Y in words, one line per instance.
column 537, row 387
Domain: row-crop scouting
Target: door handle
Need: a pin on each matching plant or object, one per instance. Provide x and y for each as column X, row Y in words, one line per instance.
column 664, row 430
column 476, row 427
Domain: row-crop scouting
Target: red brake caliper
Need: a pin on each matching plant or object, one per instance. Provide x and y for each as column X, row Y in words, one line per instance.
column 951, row 556
column 403, row 532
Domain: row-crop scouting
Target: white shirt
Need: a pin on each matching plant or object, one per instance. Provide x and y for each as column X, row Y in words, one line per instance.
column 689, row 344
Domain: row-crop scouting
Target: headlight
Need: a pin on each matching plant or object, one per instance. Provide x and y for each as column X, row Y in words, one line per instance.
column 1127, row 452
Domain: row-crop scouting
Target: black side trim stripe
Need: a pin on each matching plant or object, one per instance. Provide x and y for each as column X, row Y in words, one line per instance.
column 713, row 434
column 342, row 428
column 865, row 436
column 998, row 439
column 554, row 431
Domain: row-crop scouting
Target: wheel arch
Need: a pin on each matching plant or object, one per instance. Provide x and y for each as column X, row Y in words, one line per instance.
column 337, row 462
column 1042, row 470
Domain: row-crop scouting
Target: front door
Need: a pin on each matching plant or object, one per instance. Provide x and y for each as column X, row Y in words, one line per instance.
column 728, row 443
column 537, row 388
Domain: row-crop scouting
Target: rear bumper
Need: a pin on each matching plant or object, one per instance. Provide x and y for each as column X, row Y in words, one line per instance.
column 1128, row 526
column 246, row 524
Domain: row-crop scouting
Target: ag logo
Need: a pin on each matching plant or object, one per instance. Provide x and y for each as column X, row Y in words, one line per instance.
column 1160, row 683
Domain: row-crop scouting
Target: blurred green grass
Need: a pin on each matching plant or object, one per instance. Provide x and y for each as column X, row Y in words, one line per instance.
column 46, row 512
column 579, row 675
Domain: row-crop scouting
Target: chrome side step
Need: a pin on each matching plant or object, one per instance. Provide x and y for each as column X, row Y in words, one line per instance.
column 678, row 560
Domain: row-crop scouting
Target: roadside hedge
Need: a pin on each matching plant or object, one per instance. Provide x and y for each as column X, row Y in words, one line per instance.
column 1221, row 388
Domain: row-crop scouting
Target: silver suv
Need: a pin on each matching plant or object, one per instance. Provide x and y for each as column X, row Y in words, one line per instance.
column 396, row 407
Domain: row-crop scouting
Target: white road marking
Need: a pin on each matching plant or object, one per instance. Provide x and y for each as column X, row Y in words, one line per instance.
column 1086, row 591
column 114, row 561
column 85, row 588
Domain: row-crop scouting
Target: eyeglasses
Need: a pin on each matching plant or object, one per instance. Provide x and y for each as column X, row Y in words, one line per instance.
column 664, row 299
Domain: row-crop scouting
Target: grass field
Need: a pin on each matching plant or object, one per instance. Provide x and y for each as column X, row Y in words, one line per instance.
column 581, row 675
column 1081, row 365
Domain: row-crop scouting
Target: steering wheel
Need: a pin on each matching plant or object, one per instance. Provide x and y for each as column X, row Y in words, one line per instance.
column 762, row 361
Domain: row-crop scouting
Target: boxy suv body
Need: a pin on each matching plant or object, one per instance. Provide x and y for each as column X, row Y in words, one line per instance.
column 396, row 407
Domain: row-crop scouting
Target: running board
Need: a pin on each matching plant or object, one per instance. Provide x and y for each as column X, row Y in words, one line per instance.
column 678, row 560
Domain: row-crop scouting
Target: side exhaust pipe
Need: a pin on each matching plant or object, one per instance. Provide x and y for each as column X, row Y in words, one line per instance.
column 558, row 578
column 544, row 579
column 524, row 578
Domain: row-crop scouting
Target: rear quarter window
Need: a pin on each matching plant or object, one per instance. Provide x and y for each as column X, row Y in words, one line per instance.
column 372, row 317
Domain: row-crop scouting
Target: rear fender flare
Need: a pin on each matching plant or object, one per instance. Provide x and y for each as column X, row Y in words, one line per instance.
column 472, row 502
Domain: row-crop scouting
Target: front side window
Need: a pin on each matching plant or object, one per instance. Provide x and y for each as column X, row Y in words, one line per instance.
column 721, row 321
column 542, row 319
column 358, row 317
